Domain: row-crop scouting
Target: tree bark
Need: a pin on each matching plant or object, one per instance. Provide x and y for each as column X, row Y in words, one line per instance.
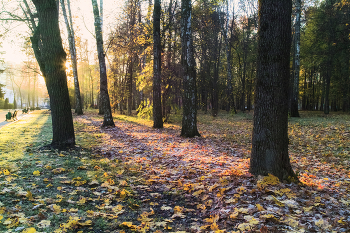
column 107, row 112
column 295, row 89
column 73, row 55
column 189, row 117
column 157, row 103
column 270, row 132
column 47, row 46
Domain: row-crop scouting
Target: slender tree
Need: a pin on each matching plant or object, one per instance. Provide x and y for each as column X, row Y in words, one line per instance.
column 189, row 118
column 157, row 105
column 108, row 119
column 270, row 132
column 73, row 55
column 295, row 88
column 49, row 52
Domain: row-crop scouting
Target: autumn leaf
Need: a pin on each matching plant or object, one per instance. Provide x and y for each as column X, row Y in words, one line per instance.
column 44, row 223
column 6, row 172
column 29, row 230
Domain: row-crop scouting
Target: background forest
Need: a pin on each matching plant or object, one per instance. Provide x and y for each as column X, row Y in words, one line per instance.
column 225, row 47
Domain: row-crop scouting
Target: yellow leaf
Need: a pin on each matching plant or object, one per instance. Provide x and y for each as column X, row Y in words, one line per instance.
column 260, row 208
column 29, row 230
column 56, row 208
column 61, row 155
column 120, row 172
column 197, row 192
column 6, row 172
column 86, row 223
column 36, row 173
column 29, row 195
column 127, row 224
column 81, row 201
column 123, row 194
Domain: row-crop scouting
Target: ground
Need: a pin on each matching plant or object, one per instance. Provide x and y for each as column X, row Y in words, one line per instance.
column 133, row 178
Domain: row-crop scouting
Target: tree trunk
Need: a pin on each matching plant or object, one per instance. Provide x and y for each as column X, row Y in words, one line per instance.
column 47, row 45
column 73, row 55
column 270, row 132
column 189, row 118
column 157, row 103
column 107, row 112
column 295, row 89
column 229, row 89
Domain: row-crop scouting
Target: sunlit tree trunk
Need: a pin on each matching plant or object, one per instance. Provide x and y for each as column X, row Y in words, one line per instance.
column 47, row 46
column 189, row 118
column 107, row 112
column 73, row 55
column 270, row 132
column 157, row 103
column 295, row 89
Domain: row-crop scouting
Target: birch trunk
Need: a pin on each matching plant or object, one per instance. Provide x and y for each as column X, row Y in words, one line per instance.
column 189, row 118
column 107, row 112
column 73, row 55
column 295, row 90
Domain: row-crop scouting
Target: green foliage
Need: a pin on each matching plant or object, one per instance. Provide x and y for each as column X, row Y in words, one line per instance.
column 145, row 111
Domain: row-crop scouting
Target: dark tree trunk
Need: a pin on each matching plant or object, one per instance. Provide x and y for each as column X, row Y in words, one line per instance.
column 327, row 87
column 47, row 46
column 303, row 105
column 157, row 103
column 270, row 132
column 189, row 118
column 129, row 84
column 107, row 112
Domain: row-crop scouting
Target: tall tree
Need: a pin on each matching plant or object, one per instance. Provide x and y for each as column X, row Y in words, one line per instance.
column 229, row 90
column 73, row 55
column 189, row 118
column 107, row 119
column 295, row 88
column 270, row 132
column 157, row 104
column 49, row 52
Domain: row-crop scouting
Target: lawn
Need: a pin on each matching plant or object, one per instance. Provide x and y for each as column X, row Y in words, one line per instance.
column 133, row 178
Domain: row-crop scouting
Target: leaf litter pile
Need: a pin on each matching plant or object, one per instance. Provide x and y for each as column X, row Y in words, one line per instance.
column 133, row 178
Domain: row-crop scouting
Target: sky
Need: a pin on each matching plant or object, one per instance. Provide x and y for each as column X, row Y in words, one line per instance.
column 83, row 17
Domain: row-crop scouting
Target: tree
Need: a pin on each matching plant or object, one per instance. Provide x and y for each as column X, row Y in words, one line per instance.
column 295, row 84
column 157, row 103
column 47, row 46
column 270, row 131
column 107, row 119
column 6, row 104
column 189, row 117
column 73, row 55
column 2, row 93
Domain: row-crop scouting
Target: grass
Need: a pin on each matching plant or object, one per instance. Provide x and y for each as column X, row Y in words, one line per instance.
column 87, row 190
